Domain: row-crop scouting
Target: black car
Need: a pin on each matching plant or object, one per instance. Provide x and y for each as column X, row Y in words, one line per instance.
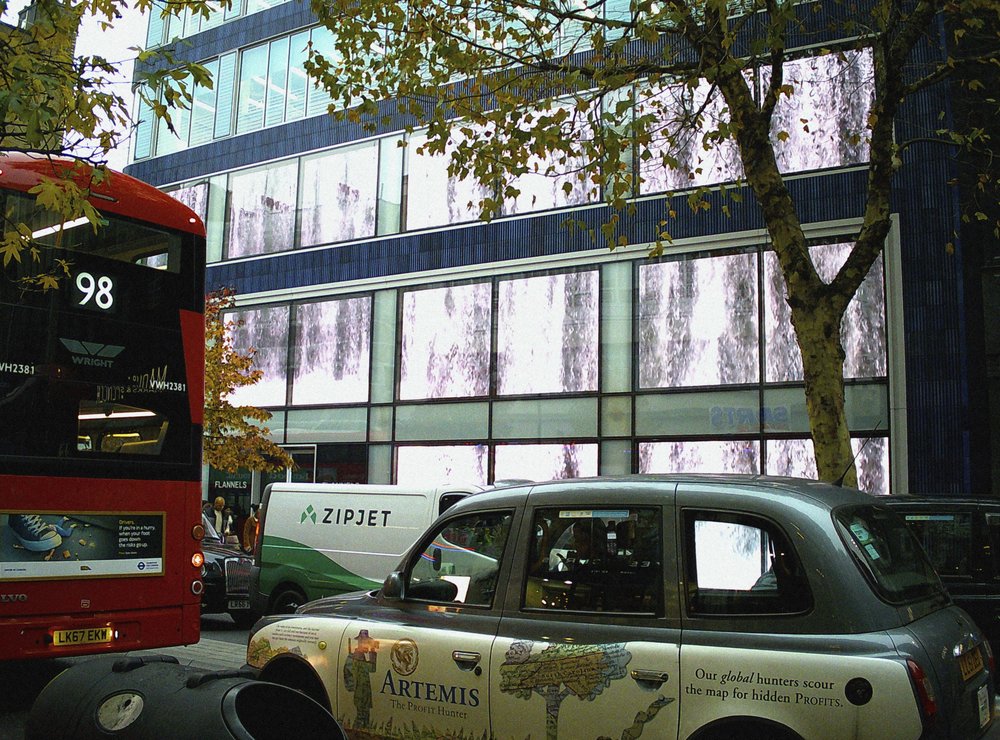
column 962, row 539
column 226, row 576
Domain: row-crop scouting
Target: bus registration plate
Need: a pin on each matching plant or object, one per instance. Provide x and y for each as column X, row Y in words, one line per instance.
column 82, row 636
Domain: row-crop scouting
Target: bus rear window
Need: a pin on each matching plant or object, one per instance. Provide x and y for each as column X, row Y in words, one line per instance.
column 888, row 554
column 115, row 238
column 116, row 428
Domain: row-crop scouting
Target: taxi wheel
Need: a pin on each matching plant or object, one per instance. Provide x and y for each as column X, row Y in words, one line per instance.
column 748, row 729
column 287, row 601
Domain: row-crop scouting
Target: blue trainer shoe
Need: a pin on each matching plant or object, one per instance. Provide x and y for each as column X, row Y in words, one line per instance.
column 34, row 533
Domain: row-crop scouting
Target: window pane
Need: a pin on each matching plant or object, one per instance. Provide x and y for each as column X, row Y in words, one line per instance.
column 545, row 418
column 462, row 562
column 252, row 89
column 742, row 565
column 319, row 98
column 433, row 197
column 203, row 108
column 596, row 561
column 277, row 81
column 338, row 195
column 795, row 457
column 679, row 159
column 708, row 456
column 445, row 421
column 544, row 185
column 261, row 214
column 547, row 334
column 332, row 352
column 167, row 141
column 157, row 25
column 862, row 332
column 144, row 129
column 266, row 330
column 545, row 462
column 452, row 463
column 698, row 322
column 446, row 342
column 298, row 81
column 224, row 85
column 390, row 185
column 826, row 116
column 194, row 197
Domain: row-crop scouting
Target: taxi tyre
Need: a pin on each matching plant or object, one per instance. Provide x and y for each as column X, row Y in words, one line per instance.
column 287, row 600
column 745, row 728
column 295, row 673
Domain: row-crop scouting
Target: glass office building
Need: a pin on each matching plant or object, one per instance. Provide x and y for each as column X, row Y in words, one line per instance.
column 403, row 340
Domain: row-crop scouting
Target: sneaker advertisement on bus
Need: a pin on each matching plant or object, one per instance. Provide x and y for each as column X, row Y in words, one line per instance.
column 34, row 545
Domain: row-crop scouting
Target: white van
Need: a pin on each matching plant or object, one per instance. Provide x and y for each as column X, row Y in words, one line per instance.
column 322, row 539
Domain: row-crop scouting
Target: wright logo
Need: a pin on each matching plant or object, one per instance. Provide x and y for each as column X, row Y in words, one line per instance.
column 91, row 353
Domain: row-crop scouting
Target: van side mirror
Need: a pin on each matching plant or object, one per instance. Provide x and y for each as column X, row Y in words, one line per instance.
column 393, row 586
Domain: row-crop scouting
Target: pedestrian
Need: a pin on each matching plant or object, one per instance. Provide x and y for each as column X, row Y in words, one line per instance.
column 222, row 517
column 250, row 529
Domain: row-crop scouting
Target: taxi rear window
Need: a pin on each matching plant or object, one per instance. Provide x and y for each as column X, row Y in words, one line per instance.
column 889, row 554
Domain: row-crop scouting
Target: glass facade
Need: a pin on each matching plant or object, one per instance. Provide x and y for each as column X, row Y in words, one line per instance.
column 500, row 377
column 602, row 366
column 336, row 195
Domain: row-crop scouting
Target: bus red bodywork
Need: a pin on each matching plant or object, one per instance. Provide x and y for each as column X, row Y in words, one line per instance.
column 101, row 403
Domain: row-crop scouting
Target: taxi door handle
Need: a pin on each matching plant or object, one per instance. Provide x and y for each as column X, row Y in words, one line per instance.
column 657, row 677
column 467, row 661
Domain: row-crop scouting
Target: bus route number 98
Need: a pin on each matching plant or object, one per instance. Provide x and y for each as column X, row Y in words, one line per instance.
column 95, row 291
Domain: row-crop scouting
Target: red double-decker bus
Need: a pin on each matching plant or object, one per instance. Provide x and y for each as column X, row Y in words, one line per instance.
column 101, row 402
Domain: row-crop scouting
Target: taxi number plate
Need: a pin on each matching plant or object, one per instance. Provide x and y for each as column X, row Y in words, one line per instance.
column 971, row 664
column 83, row 636
column 239, row 603
column 983, row 698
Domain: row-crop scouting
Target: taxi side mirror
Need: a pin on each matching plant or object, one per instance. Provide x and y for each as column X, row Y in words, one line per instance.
column 393, row 586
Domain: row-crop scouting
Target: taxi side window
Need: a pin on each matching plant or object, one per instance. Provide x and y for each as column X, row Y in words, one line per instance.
column 741, row 565
column 596, row 561
column 460, row 563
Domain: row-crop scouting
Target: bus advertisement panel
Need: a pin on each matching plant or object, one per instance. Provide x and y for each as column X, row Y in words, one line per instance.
column 101, row 403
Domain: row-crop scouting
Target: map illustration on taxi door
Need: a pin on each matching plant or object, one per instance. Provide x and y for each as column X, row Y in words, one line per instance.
column 559, row 671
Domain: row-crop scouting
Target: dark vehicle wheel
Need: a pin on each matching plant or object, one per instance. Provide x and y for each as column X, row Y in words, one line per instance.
column 287, row 601
column 243, row 620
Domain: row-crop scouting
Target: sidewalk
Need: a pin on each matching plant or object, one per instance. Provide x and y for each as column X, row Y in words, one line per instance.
column 207, row 654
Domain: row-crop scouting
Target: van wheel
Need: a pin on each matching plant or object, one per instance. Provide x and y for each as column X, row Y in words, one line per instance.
column 287, row 601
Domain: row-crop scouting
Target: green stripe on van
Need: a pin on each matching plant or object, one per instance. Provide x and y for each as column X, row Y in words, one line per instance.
column 285, row 561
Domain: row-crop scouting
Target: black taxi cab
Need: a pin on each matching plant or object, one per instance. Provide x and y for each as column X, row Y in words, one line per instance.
column 962, row 539
column 658, row 606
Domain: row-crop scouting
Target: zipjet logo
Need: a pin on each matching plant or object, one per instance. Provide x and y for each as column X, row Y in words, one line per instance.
column 91, row 353
column 309, row 513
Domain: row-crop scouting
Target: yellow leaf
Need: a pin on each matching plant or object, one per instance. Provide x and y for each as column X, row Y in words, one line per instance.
column 48, row 282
